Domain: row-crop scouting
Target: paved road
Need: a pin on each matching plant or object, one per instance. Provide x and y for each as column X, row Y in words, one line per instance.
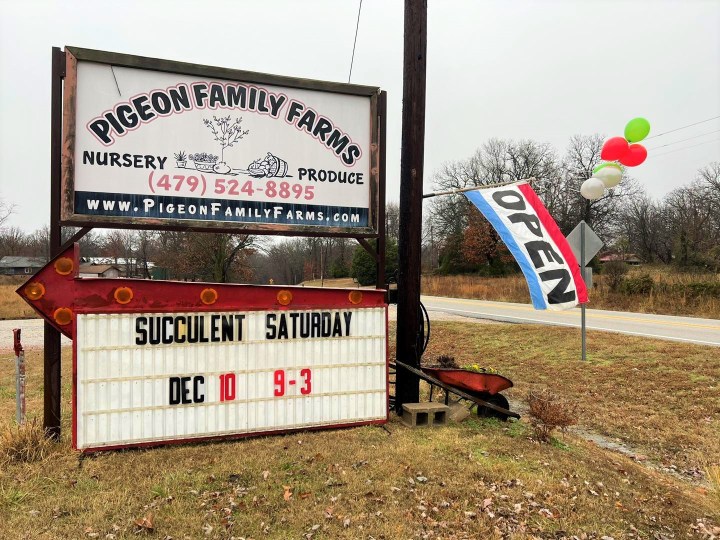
column 687, row 329
column 701, row 331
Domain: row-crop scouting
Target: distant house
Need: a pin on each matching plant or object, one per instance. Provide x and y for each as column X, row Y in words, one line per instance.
column 627, row 258
column 99, row 270
column 133, row 268
column 11, row 265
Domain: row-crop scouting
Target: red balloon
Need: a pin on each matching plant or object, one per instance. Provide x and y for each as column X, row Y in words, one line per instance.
column 634, row 156
column 614, row 148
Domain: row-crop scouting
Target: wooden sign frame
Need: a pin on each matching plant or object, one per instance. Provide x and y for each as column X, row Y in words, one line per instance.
column 70, row 217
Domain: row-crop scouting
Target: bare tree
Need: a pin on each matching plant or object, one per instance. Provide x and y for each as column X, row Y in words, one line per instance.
column 392, row 221
column 120, row 245
column 710, row 176
column 563, row 198
column 145, row 251
column 39, row 242
column 283, row 262
column 693, row 218
column 494, row 162
column 12, row 241
column 6, row 210
column 220, row 258
column 644, row 225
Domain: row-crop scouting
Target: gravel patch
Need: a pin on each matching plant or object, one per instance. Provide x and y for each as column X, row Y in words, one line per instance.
column 31, row 335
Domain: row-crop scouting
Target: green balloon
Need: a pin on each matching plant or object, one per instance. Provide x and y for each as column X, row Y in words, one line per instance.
column 637, row 129
column 608, row 164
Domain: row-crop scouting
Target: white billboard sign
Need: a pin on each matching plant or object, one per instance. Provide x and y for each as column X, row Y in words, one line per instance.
column 149, row 378
column 155, row 142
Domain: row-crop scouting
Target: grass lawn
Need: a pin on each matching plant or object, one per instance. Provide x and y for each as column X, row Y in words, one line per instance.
column 661, row 396
column 477, row 479
column 671, row 293
column 11, row 305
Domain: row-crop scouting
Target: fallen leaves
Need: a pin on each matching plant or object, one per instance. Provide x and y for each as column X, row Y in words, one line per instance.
column 145, row 523
column 544, row 512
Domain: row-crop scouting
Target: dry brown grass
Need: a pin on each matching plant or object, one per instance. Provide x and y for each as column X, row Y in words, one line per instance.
column 549, row 412
column 11, row 305
column 712, row 473
column 479, row 479
column 514, row 289
column 24, row 443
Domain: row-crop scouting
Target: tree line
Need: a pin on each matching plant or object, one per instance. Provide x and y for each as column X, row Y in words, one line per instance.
column 681, row 229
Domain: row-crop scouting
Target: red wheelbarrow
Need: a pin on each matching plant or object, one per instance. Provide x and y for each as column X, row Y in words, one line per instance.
column 486, row 386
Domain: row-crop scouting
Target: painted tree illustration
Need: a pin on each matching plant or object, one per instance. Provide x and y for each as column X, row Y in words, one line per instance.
column 227, row 133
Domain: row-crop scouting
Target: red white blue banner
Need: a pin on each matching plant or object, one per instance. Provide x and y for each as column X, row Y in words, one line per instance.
column 534, row 239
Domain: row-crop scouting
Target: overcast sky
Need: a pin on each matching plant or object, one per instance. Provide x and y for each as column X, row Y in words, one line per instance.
column 510, row 69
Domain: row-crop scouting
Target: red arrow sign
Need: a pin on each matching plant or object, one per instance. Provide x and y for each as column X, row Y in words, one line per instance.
column 57, row 294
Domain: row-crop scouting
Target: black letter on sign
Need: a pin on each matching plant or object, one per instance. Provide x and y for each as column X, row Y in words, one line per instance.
column 101, row 129
column 174, row 390
column 516, row 202
column 185, row 391
column 141, row 339
column 198, row 385
column 535, row 247
column 270, row 330
column 530, row 221
column 166, row 330
column 560, row 294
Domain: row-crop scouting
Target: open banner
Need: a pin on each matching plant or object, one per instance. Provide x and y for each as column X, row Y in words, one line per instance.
column 534, row 239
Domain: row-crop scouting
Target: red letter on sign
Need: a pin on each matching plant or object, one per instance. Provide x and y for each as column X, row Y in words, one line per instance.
column 279, row 383
column 307, row 375
column 227, row 387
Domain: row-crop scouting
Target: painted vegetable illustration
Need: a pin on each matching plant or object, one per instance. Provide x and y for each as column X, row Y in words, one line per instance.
column 268, row 166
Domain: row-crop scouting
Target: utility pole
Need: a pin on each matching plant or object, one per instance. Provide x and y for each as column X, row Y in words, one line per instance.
column 407, row 388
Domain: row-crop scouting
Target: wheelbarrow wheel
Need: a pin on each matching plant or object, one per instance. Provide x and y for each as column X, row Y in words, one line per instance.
column 497, row 399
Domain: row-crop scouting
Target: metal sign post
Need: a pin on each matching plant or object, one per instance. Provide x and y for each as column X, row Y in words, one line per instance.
column 19, row 377
column 582, row 306
column 585, row 244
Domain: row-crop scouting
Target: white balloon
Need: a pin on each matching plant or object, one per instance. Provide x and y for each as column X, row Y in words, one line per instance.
column 610, row 176
column 592, row 188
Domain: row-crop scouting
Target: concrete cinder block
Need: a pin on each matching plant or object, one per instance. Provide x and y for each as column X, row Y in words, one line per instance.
column 425, row 414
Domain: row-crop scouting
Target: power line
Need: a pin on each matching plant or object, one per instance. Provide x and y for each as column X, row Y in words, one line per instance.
column 357, row 26
column 683, row 140
column 684, row 148
column 682, row 127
